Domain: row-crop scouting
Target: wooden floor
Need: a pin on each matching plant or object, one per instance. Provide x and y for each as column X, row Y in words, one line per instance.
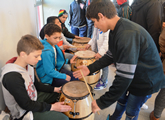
column 144, row 114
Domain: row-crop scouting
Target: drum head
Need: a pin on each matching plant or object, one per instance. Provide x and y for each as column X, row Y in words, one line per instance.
column 75, row 89
column 82, row 40
column 85, row 54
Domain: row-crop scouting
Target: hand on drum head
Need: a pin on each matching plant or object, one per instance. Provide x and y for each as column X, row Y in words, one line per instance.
column 84, row 69
column 97, row 56
column 60, row 107
column 68, row 78
column 77, row 37
column 73, row 59
column 95, row 107
column 87, row 47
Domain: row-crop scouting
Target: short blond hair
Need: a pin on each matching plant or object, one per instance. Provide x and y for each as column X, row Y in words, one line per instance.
column 28, row 44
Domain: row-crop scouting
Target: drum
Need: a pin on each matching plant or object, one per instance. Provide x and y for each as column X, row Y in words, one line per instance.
column 81, row 42
column 76, row 95
column 86, row 58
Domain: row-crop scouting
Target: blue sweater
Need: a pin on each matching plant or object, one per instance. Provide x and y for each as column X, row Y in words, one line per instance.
column 47, row 65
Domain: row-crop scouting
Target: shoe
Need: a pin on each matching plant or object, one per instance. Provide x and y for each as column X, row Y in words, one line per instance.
column 100, row 86
column 108, row 117
column 144, row 107
column 152, row 117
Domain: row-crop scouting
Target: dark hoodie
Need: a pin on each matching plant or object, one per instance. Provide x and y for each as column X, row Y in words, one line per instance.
column 148, row 14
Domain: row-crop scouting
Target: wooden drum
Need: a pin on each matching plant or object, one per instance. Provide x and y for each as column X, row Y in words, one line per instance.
column 76, row 95
column 80, row 43
column 86, row 58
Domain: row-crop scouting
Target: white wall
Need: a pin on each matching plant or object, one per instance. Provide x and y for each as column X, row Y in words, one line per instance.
column 52, row 7
column 17, row 18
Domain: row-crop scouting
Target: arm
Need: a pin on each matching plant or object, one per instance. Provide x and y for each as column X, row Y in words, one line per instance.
column 48, row 65
column 70, row 14
column 67, row 33
column 17, row 89
column 104, row 47
column 106, row 60
column 127, row 56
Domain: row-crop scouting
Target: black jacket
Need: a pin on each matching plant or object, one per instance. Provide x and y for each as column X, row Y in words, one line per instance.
column 139, row 68
column 148, row 14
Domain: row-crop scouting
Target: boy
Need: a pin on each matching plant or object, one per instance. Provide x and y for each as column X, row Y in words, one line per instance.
column 132, row 50
column 63, row 43
column 99, row 44
column 25, row 97
column 50, row 67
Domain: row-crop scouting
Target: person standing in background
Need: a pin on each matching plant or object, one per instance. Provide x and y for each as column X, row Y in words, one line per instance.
column 89, row 22
column 77, row 18
column 124, row 11
column 148, row 14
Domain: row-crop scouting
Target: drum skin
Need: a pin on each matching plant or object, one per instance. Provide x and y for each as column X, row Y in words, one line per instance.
column 81, row 42
column 86, row 58
column 76, row 95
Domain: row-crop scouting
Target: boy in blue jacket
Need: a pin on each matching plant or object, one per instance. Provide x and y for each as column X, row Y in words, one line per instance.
column 50, row 67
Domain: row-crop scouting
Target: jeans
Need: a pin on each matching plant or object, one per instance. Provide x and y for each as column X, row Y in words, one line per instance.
column 131, row 104
column 59, row 82
column 104, row 75
column 90, row 28
column 82, row 32
column 68, row 56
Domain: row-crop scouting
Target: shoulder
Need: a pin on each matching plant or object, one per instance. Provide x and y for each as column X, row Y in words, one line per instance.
column 12, row 78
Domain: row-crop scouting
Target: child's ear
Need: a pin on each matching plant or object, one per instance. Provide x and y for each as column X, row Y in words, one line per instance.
column 100, row 15
column 23, row 54
column 46, row 36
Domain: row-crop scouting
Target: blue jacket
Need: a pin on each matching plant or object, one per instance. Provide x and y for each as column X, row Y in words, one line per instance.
column 77, row 14
column 47, row 65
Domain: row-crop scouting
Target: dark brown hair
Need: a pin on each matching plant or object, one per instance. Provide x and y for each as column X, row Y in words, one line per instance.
column 106, row 7
column 52, row 28
column 28, row 44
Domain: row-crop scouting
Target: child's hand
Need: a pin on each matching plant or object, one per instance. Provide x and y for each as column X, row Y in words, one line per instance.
column 77, row 37
column 97, row 56
column 66, row 47
column 60, row 107
column 68, row 78
column 73, row 59
column 87, row 47
column 57, row 89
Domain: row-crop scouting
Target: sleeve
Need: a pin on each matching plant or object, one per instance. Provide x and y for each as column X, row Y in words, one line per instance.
column 126, row 57
column 154, row 21
column 104, row 47
column 104, row 61
column 17, row 89
column 43, row 88
column 65, row 42
column 49, row 66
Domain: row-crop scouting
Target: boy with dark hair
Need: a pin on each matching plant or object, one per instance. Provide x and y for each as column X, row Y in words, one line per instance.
column 50, row 67
column 132, row 50
column 25, row 97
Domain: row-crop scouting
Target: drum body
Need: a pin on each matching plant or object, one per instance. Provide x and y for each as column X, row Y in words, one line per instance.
column 76, row 95
column 81, row 42
column 86, row 58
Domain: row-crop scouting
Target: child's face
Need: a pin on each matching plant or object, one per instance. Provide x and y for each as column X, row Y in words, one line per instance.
column 100, row 24
column 57, row 22
column 63, row 18
column 53, row 39
column 33, row 57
